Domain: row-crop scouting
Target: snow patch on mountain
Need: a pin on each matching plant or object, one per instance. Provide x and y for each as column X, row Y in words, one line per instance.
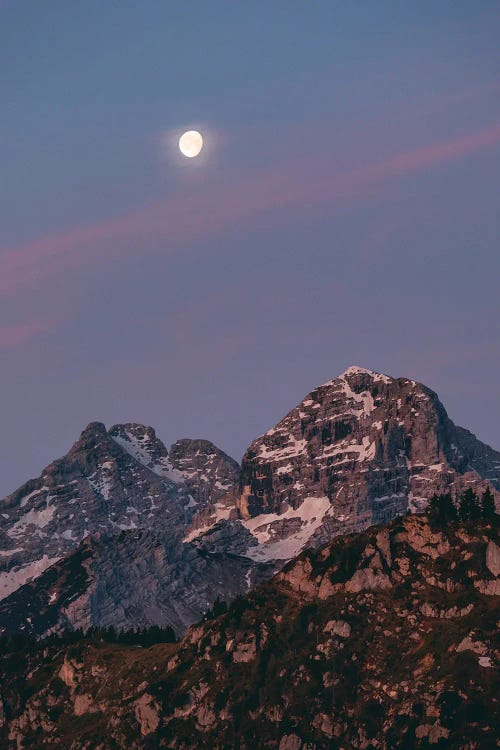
column 219, row 512
column 267, row 527
column 355, row 370
column 17, row 576
column 101, row 481
column 364, row 399
column 39, row 517
column 138, row 445
column 292, row 448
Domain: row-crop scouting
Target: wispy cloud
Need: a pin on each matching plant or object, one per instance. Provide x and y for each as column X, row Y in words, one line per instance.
column 13, row 335
column 179, row 220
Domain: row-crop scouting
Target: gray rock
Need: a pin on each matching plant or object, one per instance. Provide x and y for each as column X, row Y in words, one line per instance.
column 208, row 472
column 493, row 558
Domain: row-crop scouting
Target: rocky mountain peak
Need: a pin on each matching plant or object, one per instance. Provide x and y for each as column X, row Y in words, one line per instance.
column 209, row 472
column 109, row 481
column 92, row 430
column 359, row 449
column 141, row 443
column 362, row 373
column 92, row 448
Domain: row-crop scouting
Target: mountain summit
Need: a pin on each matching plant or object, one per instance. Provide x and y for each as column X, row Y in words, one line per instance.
column 358, row 450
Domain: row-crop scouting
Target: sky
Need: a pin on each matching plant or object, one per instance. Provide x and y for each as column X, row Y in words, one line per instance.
column 343, row 211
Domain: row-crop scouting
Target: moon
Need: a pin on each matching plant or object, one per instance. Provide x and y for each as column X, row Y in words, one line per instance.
column 190, row 143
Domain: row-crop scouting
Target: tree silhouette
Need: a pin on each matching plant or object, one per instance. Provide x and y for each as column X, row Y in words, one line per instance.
column 469, row 509
column 442, row 508
column 488, row 504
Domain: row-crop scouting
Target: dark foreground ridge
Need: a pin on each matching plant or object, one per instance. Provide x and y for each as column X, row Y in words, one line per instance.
column 384, row 639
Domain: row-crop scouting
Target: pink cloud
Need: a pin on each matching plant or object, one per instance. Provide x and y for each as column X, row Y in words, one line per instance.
column 173, row 222
column 11, row 336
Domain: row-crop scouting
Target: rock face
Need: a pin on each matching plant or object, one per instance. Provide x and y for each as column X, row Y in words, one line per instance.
column 305, row 662
column 131, row 580
column 109, row 481
column 356, row 451
column 209, row 474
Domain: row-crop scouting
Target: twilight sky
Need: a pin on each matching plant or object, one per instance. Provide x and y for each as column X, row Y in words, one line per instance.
column 344, row 211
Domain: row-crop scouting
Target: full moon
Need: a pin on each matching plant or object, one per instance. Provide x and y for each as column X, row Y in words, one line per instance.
column 190, row 143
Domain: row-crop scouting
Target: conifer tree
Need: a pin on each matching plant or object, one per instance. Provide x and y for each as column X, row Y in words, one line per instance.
column 442, row 508
column 434, row 506
column 470, row 509
column 447, row 507
column 488, row 504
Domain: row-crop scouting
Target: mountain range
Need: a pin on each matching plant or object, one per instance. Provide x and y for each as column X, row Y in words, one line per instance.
column 123, row 532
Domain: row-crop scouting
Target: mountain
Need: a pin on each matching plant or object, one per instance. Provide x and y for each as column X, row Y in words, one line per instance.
column 109, row 481
column 382, row 639
column 358, row 450
column 122, row 532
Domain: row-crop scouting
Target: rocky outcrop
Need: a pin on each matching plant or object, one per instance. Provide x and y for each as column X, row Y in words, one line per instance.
column 412, row 548
column 147, row 714
column 493, row 558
